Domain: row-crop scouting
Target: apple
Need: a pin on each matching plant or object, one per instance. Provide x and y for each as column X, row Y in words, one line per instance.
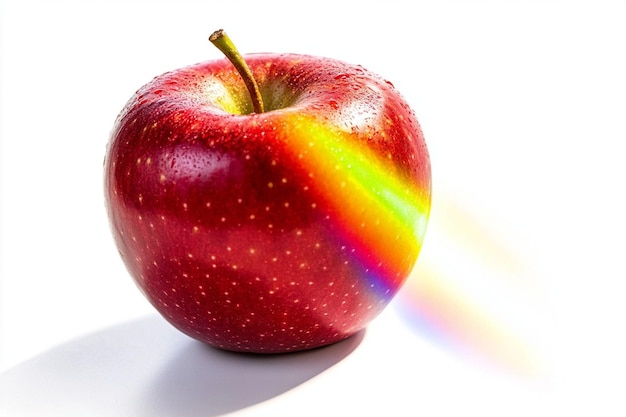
column 268, row 202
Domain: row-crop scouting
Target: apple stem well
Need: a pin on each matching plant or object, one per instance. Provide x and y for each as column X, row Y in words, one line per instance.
column 222, row 41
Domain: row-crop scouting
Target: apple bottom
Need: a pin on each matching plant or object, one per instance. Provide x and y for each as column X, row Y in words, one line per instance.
column 268, row 330
column 282, row 321
column 289, row 293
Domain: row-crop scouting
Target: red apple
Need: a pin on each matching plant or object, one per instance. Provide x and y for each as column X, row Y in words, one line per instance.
column 270, row 223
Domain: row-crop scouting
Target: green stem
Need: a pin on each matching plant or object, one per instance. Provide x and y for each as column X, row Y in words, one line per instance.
column 222, row 41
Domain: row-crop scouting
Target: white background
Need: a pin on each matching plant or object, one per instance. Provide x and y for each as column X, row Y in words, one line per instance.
column 523, row 104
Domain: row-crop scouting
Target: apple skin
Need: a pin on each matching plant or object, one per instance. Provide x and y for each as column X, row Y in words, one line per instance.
column 272, row 232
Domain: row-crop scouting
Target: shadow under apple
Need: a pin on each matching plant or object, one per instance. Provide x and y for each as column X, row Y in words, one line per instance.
column 147, row 368
column 203, row 381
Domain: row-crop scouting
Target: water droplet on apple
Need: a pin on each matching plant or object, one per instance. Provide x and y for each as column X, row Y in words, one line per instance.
column 333, row 104
column 342, row 76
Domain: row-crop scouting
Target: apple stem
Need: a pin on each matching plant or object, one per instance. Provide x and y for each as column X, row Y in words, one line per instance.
column 222, row 41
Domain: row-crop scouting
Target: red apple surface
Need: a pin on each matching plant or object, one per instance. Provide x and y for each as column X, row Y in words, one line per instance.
column 276, row 231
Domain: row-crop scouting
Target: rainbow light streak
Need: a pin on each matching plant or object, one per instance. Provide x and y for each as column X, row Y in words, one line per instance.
column 474, row 306
column 381, row 217
column 458, row 324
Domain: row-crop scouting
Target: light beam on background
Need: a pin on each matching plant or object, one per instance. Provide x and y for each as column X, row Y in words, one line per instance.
column 473, row 296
